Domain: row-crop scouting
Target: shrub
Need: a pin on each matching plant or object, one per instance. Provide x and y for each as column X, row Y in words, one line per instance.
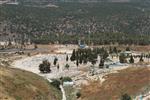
column 44, row 67
column 127, row 49
column 66, row 79
column 67, row 66
column 56, row 83
column 78, row 94
column 125, row 97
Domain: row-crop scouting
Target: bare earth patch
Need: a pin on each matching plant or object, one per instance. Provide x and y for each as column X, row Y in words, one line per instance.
column 132, row 81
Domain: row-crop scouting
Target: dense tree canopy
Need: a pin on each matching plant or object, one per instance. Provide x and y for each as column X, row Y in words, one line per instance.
column 104, row 23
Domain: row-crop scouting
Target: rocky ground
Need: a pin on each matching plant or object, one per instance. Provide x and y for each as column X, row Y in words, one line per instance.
column 81, row 75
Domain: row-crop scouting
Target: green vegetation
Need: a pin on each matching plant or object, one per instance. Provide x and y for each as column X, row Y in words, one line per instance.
column 131, row 59
column 126, row 97
column 78, row 94
column 67, row 66
column 67, row 58
column 141, row 58
column 101, row 65
column 56, row 83
column 104, row 23
column 122, row 58
column 66, row 79
column 55, row 61
column 82, row 56
column 45, row 67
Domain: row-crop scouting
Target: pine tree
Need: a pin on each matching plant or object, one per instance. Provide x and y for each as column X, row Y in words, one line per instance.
column 115, row 50
column 122, row 58
column 55, row 61
column 131, row 59
column 101, row 65
column 35, row 46
column 73, row 56
column 110, row 50
column 67, row 66
column 93, row 62
column 58, row 66
column 141, row 59
column 67, row 58
column 77, row 63
column 80, row 59
column 105, row 55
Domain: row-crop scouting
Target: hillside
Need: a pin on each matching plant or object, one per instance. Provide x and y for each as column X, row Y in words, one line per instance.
column 132, row 81
column 83, row 1
column 124, row 23
column 21, row 85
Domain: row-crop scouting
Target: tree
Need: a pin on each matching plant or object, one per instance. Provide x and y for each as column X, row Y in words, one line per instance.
column 67, row 66
column 77, row 63
column 66, row 79
column 80, row 59
column 93, row 62
column 56, row 83
column 35, row 46
column 122, row 58
column 107, row 66
column 67, row 58
column 55, row 61
column 127, row 49
column 78, row 94
column 110, row 50
column 126, row 97
column 105, row 55
column 73, row 56
column 58, row 66
column 101, row 65
column 141, row 58
column 85, row 61
column 9, row 42
column 44, row 67
column 131, row 59
column 115, row 50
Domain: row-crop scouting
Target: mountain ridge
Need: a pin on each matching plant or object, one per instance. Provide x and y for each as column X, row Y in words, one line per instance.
column 84, row 1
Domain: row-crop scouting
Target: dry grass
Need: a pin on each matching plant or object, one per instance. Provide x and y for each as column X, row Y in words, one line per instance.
column 132, row 81
column 21, row 85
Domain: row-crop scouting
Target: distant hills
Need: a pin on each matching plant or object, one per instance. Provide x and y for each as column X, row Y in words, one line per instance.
column 84, row 0
column 65, row 22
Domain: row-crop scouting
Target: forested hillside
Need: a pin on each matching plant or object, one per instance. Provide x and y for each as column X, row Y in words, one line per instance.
column 104, row 23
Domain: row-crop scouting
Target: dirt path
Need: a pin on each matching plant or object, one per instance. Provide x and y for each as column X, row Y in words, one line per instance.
column 63, row 93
